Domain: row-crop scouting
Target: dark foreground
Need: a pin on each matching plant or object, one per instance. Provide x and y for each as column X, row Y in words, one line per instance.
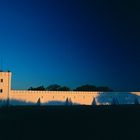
column 70, row 122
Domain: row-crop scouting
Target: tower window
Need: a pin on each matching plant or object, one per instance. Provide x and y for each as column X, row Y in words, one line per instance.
column 1, row 80
column 1, row 90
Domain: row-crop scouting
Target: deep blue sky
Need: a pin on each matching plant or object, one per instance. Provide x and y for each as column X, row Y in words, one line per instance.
column 71, row 42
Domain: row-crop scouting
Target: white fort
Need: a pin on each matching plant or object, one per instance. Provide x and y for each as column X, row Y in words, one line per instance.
column 77, row 97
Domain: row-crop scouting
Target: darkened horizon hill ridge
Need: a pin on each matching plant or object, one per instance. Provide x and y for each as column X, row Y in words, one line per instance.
column 73, row 42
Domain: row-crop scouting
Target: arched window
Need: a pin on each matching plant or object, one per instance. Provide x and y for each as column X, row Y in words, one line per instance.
column 1, row 90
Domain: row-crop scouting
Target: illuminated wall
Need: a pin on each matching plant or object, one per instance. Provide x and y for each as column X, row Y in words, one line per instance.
column 45, row 96
column 76, row 97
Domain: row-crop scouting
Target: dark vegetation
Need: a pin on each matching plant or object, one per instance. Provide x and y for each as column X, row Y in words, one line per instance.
column 92, row 88
column 68, row 122
column 56, row 87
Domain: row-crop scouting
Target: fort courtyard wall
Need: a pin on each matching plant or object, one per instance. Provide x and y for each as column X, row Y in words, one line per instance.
column 44, row 96
column 77, row 97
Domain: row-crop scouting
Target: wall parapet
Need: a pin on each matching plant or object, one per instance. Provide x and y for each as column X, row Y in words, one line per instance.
column 51, row 92
column 76, row 92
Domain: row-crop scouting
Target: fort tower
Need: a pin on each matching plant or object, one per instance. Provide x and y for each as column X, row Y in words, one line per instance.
column 5, row 84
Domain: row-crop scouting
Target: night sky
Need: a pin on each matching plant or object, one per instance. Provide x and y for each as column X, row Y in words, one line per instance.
column 71, row 42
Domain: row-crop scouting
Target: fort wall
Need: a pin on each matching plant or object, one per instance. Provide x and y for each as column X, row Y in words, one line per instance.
column 46, row 96
column 77, row 97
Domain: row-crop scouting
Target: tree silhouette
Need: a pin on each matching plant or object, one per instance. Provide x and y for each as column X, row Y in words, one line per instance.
column 38, row 102
column 31, row 88
column 40, row 88
column 86, row 88
column 115, row 101
column 68, row 102
column 64, row 88
column 104, row 88
column 93, row 88
column 136, row 102
column 54, row 87
column 94, row 101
